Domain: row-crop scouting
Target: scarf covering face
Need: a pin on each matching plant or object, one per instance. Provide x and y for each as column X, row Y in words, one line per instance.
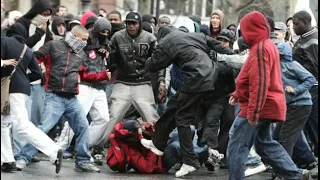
column 39, row 19
column 75, row 43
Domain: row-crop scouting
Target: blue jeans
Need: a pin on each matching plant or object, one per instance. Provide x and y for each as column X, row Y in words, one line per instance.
column 54, row 107
column 270, row 150
column 34, row 107
column 253, row 158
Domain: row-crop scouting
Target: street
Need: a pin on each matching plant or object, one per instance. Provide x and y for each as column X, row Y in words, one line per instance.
column 44, row 170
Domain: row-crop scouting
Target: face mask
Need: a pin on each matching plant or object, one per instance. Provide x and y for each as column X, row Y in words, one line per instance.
column 75, row 43
column 39, row 19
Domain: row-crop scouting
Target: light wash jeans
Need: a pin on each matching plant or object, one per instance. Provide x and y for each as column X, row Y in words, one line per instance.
column 94, row 102
column 54, row 107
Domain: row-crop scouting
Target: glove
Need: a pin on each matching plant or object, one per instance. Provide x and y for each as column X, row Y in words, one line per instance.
column 213, row 55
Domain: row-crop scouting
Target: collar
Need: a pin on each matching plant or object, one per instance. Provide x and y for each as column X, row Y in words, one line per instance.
column 313, row 30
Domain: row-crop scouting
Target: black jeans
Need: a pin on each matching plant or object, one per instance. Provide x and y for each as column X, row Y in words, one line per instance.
column 226, row 122
column 180, row 113
column 288, row 132
column 311, row 128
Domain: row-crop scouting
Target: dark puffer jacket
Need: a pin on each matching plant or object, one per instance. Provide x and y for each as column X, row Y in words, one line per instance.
column 95, row 61
column 64, row 68
column 189, row 51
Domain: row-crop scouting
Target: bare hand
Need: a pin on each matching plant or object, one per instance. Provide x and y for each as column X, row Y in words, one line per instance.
column 108, row 74
column 10, row 62
column 105, row 52
column 44, row 26
column 162, row 92
column 233, row 100
column 252, row 123
column 289, row 89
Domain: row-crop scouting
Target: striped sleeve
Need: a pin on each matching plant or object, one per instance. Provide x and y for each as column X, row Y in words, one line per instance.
column 259, row 80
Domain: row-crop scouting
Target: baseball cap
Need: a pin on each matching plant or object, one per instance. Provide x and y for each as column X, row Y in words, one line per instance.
column 226, row 35
column 280, row 26
column 133, row 17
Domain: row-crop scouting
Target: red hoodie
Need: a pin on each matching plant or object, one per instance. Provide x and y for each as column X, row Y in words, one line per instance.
column 259, row 85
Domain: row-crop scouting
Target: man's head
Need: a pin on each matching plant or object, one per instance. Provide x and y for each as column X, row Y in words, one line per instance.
column 232, row 27
column 149, row 19
column 280, row 30
column 80, row 32
column 133, row 23
column 164, row 20
column 102, row 12
column 61, row 11
column 58, row 26
column 226, row 37
column 114, row 17
column 216, row 21
column 102, row 28
column 301, row 22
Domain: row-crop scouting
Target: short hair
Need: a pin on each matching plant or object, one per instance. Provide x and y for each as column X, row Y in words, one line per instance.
column 78, row 29
column 165, row 17
column 271, row 23
column 303, row 16
column 115, row 12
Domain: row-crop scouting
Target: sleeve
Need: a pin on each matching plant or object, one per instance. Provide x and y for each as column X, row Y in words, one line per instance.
column 159, row 60
column 234, row 61
column 93, row 76
column 144, row 164
column 311, row 56
column 168, row 76
column 32, row 40
column 5, row 71
column 216, row 46
column 307, row 79
column 259, row 81
column 113, row 54
column 36, row 72
column 43, row 54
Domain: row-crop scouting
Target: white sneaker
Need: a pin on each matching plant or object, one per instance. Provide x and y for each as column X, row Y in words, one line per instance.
column 91, row 160
column 255, row 170
column 20, row 164
column 149, row 145
column 215, row 155
column 184, row 170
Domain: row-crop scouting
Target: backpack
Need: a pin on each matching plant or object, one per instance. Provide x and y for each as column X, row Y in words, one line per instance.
column 118, row 157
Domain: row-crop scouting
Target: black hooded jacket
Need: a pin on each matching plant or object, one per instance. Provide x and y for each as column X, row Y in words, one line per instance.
column 130, row 55
column 96, row 61
column 11, row 48
column 57, row 20
column 188, row 51
column 38, row 7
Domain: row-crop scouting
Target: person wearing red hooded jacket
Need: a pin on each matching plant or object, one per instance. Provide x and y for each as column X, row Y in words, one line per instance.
column 128, row 135
column 260, row 93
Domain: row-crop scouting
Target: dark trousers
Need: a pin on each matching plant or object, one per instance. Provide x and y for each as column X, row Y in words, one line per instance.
column 311, row 128
column 288, row 132
column 226, row 122
column 180, row 113
column 209, row 112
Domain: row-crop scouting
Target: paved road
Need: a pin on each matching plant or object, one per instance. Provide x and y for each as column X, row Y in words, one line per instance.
column 44, row 170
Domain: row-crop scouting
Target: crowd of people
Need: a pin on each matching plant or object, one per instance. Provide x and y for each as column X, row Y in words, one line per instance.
column 158, row 95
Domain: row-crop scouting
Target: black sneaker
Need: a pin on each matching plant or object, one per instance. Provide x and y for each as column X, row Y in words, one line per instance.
column 223, row 164
column 86, row 167
column 9, row 167
column 58, row 162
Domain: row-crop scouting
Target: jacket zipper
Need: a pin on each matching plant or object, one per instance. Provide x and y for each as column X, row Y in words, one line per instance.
column 65, row 71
